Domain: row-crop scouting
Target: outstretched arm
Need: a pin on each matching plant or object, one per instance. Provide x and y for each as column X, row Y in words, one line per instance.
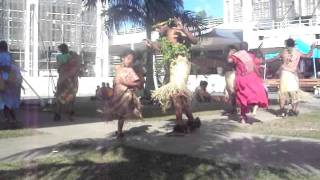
column 189, row 35
column 273, row 59
column 152, row 45
column 310, row 52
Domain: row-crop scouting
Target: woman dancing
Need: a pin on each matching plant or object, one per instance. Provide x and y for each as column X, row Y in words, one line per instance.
column 249, row 89
column 67, row 85
column 124, row 103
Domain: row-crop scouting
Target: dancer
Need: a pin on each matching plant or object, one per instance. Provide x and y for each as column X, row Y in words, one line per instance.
column 67, row 85
column 229, row 92
column 174, row 45
column 289, row 80
column 249, row 87
column 11, row 81
column 258, row 60
column 124, row 103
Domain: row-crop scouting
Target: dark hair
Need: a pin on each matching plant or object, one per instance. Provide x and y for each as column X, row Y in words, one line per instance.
column 244, row 46
column 232, row 47
column 203, row 83
column 290, row 42
column 3, row 46
column 127, row 52
column 63, row 48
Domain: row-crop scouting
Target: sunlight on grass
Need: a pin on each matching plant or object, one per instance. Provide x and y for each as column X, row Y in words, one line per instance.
column 305, row 125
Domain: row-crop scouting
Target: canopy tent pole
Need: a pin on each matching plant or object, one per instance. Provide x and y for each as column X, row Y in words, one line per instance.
column 314, row 65
column 265, row 71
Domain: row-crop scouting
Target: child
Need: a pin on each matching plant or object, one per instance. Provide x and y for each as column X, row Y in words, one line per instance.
column 124, row 103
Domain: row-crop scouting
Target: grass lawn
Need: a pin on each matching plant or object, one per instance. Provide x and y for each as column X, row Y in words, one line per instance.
column 18, row 133
column 119, row 162
column 305, row 125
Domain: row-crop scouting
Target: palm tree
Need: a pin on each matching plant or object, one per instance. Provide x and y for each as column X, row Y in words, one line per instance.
column 144, row 13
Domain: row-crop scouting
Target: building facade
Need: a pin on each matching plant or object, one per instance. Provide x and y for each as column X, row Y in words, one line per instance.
column 272, row 21
column 260, row 10
column 34, row 29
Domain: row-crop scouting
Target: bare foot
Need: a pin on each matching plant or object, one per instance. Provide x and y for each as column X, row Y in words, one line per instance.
column 243, row 120
column 255, row 109
column 119, row 135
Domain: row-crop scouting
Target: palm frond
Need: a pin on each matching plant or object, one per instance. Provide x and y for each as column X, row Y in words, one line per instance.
column 92, row 3
column 119, row 15
column 194, row 22
column 160, row 10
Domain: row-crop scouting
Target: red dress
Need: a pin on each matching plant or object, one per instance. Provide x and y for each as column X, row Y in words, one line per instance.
column 248, row 85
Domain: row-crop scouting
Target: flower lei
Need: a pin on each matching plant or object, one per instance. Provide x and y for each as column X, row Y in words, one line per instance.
column 171, row 51
column 290, row 55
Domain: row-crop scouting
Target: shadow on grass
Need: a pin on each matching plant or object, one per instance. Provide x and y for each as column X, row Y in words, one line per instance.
column 242, row 158
column 147, row 153
column 135, row 164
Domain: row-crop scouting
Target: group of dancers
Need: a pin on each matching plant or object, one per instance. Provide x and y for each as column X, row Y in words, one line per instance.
column 245, row 86
column 246, row 89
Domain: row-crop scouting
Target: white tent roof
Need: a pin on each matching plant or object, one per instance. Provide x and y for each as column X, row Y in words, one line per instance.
column 219, row 38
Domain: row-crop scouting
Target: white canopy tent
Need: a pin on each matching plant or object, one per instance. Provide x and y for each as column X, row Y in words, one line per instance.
column 219, row 38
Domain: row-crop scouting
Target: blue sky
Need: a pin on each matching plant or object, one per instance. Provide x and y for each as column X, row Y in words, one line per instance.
column 212, row 7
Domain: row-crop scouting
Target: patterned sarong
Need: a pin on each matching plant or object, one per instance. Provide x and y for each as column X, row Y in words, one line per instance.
column 67, row 86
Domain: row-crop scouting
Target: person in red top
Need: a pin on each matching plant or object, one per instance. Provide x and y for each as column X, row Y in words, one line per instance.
column 249, row 87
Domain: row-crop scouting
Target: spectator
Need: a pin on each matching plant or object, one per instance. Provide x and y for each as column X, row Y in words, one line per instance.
column 109, row 91
column 106, row 91
column 201, row 93
column 98, row 92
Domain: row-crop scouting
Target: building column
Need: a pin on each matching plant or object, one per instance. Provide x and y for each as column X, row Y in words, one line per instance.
column 105, row 45
column 31, row 37
column 27, row 30
column 247, row 11
column 102, row 45
column 35, row 43
column 228, row 9
column 274, row 9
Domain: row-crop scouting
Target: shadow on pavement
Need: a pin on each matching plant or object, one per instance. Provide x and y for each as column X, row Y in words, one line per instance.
column 147, row 153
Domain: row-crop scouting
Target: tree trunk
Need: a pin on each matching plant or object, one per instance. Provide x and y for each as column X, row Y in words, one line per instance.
column 166, row 73
column 149, row 66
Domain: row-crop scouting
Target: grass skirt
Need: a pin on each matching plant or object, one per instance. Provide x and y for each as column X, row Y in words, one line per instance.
column 290, row 90
column 177, row 87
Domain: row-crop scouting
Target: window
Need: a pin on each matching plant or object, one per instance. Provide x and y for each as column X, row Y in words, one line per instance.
column 309, row 7
column 261, row 9
column 285, row 8
column 237, row 15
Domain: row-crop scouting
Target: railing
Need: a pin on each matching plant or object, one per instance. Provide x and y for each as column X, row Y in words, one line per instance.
column 209, row 23
column 212, row 22
column 269, row 25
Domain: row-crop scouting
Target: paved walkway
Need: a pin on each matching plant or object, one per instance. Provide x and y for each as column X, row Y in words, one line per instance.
column 215, row 139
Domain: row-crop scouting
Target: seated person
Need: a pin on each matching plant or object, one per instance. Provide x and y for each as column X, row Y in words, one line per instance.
column 106, row 91
column 97, row 94
column 201, row 93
